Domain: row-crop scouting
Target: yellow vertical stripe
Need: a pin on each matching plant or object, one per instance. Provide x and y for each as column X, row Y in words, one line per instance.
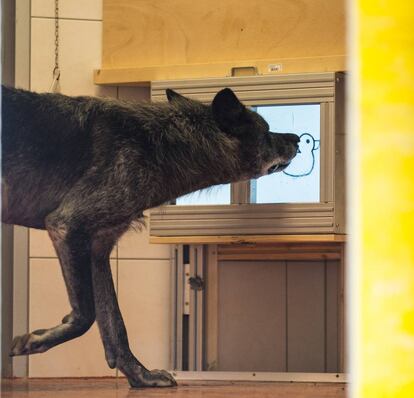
column 386, row 106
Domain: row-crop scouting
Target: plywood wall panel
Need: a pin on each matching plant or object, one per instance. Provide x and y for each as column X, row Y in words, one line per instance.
column 139, row 33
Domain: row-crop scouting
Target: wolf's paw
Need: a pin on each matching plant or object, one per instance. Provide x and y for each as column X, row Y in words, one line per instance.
column 30, row 343
column 154, row 378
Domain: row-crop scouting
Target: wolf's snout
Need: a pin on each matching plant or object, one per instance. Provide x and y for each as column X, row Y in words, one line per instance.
column 290, row 143
column 286, row 139
column 292, row 138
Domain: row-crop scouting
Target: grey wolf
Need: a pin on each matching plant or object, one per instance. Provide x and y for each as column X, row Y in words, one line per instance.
column 85, row 168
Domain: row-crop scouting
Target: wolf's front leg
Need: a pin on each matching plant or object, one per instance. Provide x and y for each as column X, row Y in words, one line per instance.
column 111, row 324
column 73, row 250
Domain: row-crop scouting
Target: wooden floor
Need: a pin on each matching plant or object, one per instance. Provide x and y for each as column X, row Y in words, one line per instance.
column 112, row 388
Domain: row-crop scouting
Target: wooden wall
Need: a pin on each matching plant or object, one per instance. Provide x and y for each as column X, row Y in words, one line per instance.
column 167, row 39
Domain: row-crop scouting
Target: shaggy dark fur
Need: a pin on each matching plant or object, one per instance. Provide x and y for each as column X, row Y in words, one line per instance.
column 86, row 168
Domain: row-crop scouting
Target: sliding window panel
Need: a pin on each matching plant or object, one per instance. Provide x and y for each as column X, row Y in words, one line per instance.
column 332, row 316
column 306, row 316
column 252, row 316
column 300, row 181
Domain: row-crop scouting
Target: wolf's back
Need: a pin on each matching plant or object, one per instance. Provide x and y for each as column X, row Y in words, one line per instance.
column 43, row 127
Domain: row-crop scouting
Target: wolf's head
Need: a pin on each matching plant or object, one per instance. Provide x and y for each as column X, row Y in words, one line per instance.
column 265, row 152
column 260, row 151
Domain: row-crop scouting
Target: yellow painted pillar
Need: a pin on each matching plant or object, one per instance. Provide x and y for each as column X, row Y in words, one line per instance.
column 385, row 80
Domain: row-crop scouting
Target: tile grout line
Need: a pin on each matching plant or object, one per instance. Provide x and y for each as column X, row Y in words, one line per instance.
column 112, row 258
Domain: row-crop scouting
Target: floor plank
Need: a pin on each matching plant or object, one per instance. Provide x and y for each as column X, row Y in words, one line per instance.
column 112, row 388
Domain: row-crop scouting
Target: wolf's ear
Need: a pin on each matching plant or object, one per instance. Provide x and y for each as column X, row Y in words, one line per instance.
column 227, row 110
column 174, row 96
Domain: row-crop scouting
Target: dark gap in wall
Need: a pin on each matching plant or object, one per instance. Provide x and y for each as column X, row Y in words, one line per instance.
column 185, row 361
column 186, row 254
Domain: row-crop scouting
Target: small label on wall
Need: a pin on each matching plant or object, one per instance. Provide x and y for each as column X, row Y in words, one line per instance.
column 274, row 68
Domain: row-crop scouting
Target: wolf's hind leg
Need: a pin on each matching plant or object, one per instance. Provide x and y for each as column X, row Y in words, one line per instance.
column 110, row 322
column 73, row 250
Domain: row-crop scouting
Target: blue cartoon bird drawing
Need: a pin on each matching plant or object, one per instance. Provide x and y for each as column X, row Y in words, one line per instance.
column 304, row 162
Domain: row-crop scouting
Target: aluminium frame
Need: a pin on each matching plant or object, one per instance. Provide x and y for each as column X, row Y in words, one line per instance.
column 241, row 218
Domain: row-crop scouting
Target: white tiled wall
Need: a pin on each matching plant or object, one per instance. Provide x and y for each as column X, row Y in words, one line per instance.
column 141, row 271
column 135, row 245
column 79, row 54
column 40, row 245
column 144, row 299
column 48, row 304
column 74, row 9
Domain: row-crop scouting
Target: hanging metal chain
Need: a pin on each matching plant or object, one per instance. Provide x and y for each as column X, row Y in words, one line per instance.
column 56, row 70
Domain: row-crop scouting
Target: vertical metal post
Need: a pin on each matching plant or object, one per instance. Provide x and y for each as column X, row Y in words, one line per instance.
column 21, row 274
column 342, row 311
column 177, row 269
column 20, row 265
column 324, row 147
column 8, row 18
column 173, row 333
column 6, row 322
column 196, row 331
column 211, row 308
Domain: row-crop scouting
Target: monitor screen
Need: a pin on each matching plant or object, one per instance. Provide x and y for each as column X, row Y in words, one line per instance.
column 216, row 195
column 300, row 181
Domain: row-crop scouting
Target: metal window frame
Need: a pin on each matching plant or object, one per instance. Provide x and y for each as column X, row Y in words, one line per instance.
column 240, row 217
column 196, row 324
column 282, row 377
column 196, row 314
column 203, row 326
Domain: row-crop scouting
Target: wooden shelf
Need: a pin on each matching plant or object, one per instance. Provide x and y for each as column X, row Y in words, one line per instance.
column 142, row 76
column 247, row 239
